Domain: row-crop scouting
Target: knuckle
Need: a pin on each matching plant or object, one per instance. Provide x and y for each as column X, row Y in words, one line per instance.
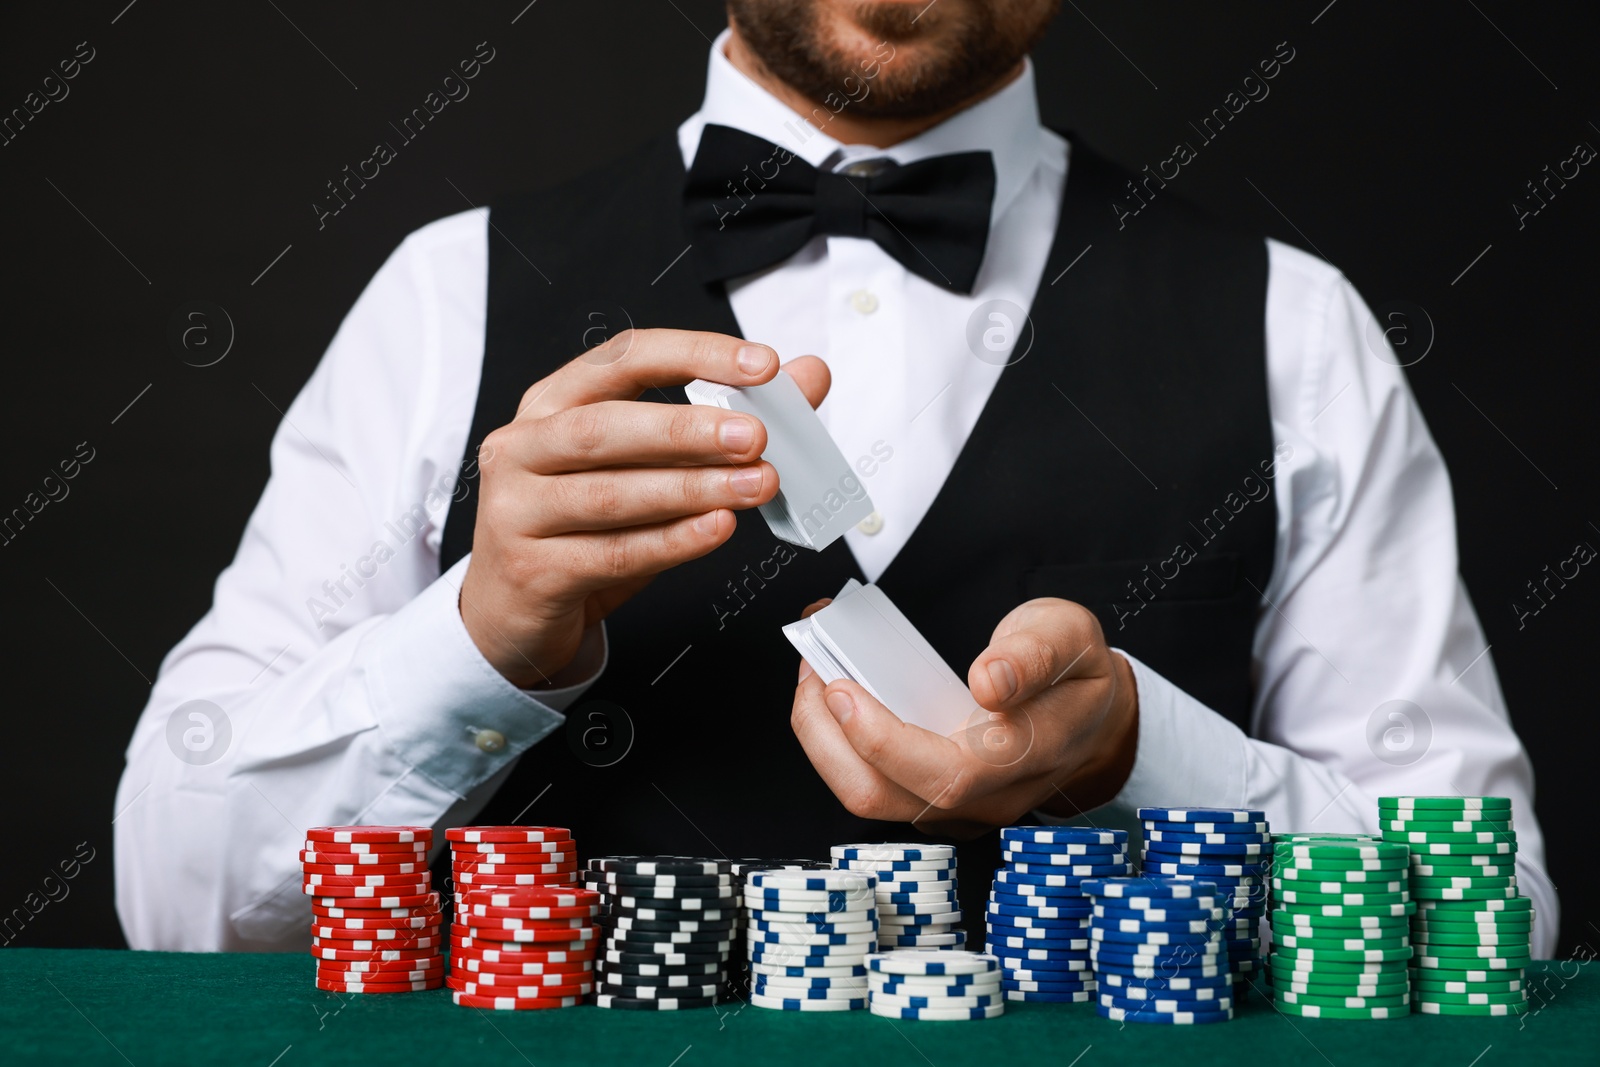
column 685, row 430
column 616, row 558
column 601, row 496
column 586, row 430
column 861, row 799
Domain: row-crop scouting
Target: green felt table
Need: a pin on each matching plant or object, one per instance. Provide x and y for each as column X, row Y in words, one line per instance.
column 64, row 1006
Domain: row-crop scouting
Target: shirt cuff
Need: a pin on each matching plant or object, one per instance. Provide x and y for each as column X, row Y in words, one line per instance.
column 1187, row 753
column 442, row 706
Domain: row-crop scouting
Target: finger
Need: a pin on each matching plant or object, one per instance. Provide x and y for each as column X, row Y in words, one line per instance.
column 618, row 433
column 919, row 761
column 636, row 360
column 1037, row 645
column 616, row 499
column 600, row 560
column 812, row 375
column 861, row 789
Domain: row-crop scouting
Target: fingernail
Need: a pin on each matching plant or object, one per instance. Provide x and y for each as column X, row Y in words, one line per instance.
column 753, row 359
column 736, row 435
column 1003, row 678
column 842, row 706
column 805, row 670
column 706, row 524
column 746, row 482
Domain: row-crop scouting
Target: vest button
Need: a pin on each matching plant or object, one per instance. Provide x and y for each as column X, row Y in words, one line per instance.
column 864, row 301
column 871, row 524
column 490, row 740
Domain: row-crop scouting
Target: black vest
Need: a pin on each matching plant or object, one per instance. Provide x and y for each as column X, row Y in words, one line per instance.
column 1131, row 436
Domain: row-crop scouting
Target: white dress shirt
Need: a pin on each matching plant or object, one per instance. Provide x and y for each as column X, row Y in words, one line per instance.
column 353, row 693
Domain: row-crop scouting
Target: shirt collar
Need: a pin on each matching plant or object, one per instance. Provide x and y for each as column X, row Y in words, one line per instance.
column 1006, row 125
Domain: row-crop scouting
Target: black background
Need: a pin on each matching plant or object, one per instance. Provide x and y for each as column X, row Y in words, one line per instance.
column 197, row 139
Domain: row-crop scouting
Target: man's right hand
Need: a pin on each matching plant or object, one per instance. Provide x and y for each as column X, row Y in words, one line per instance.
column 588, row 493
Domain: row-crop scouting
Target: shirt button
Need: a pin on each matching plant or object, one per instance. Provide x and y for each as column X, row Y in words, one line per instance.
column 871, row 524
column 863, row 301
column 490, row 740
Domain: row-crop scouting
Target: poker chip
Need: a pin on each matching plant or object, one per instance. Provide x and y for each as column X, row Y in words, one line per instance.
column 937, row 1014
column 932, row 962
column 328, row 934
column 520, row 992
column 1149, row 1015
column 334, row 986
column 468, row 1000
column 364, row 870
column 504, row 952
column 372, row 835
column 468, row 849
column 646, row 992
column 373, row 954
column 532, row 967
column 416, row 922
column 401, row 849
column 611, row 1000
column 376, row 902
column 506, row 834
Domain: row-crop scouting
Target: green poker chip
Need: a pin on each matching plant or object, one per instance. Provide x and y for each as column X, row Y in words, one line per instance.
column 1442, row 826
column 1332, row 990
column 1446, row 803
column 1349, row 850
column 1465, row 894
column 1428, row 1007
column 1474, row 952
column 1473, row 881
column 1317, row 1011
column 1343, row 877
column 1460, row 848
column 1503, row 985
column 1452, row 867
column 1519, row 939
column 1488, row 965
column 1518, row 997
column 1397, row 1000
column 1444, row 926
column 1375, row 955
column 1345, row 944
column 1509, row 905
column 1286, row 918
column 1340, row 863
column 1450, row 837
column 1300, row 896
column 1351, row 910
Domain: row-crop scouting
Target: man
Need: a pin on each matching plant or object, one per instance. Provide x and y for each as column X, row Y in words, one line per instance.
column 486, row 583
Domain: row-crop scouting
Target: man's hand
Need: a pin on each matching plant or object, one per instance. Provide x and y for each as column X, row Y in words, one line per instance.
column 588, row 493
column 1056, row 729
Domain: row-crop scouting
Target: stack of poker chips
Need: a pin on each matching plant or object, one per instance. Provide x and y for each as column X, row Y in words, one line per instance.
column 376, row 922
column 917, row 887
column 1038, row 916
column 524, row 947
column 739, row 976
column 934, row 985
column 1232, row 849
column 1471, row 932
column 503, row 857
column 1340, row 927
column 668, row 923
column 1159, row 954
column 809, row 936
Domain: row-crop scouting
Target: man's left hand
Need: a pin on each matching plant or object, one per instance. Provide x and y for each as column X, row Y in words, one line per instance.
column 1056, row 729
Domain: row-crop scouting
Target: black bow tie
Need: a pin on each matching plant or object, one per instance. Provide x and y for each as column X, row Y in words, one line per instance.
column 749, row 204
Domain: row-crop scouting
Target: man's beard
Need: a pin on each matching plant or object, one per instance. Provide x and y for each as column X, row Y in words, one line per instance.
column 976, row 45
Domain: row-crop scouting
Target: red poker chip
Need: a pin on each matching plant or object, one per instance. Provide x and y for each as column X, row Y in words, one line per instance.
column 470, row 848
column 535, row 914
column 511, row 868
column 379, row 987
column 370, row 955
column 363, row 870
column 432, row 942
column 494, row 922
column 467, row 941
column 512, row 952
column 330, row 885
column 560, row 933
column 418, row 922
column 512, row 881
column 473, row 834
column 380, row 902
column 427, row 963
column 520, row 991
column 534, row 968
column 338, row 933
column 414, row 974
column 368, row 847
column 467, row 1000
column 374, row 835
column 414, row 878
column 532, row 897
column 362, row 859
column 370, row 914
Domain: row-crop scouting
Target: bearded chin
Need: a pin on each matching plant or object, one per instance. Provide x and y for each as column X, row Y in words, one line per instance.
column 921, row 59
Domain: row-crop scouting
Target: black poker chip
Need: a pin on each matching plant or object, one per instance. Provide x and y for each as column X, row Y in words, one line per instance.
column 668, row 958
column 674, row 937
column 719, row 948
column 660, row 865
column 687, row 881
column 657, row 969
column 721, row 927
column 654, row 910
column 671, row 892
column 607, row 1000
column 656, row 992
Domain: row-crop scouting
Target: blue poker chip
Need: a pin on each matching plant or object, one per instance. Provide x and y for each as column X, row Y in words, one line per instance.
column 1174, row 985
column 1184, row 963
column 1142, row 888
column 1021, row 863
column 1061, row 905
column 996, row 910
column 1179, row 1019
column 1068, row 966
column 1150, row 937
column 1183, row 911
column 1045, row 879
column 1085, row 835
column 1066, row 848
column 1245, row 849
column 1186, row 838
column 908, row 897
column 1223, row 928
column 1081, row 997
column 1003, row 941
column 1032, row 956
column 1168, row 868
column 998, row 929
column 1203, row 814
column 1163, row 1004
column 1162, row 969
column 1086, row 982
column 1201, row 827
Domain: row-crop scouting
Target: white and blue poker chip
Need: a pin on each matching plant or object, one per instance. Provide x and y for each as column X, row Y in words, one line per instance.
column 1064, row 835
column 1202, row 814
